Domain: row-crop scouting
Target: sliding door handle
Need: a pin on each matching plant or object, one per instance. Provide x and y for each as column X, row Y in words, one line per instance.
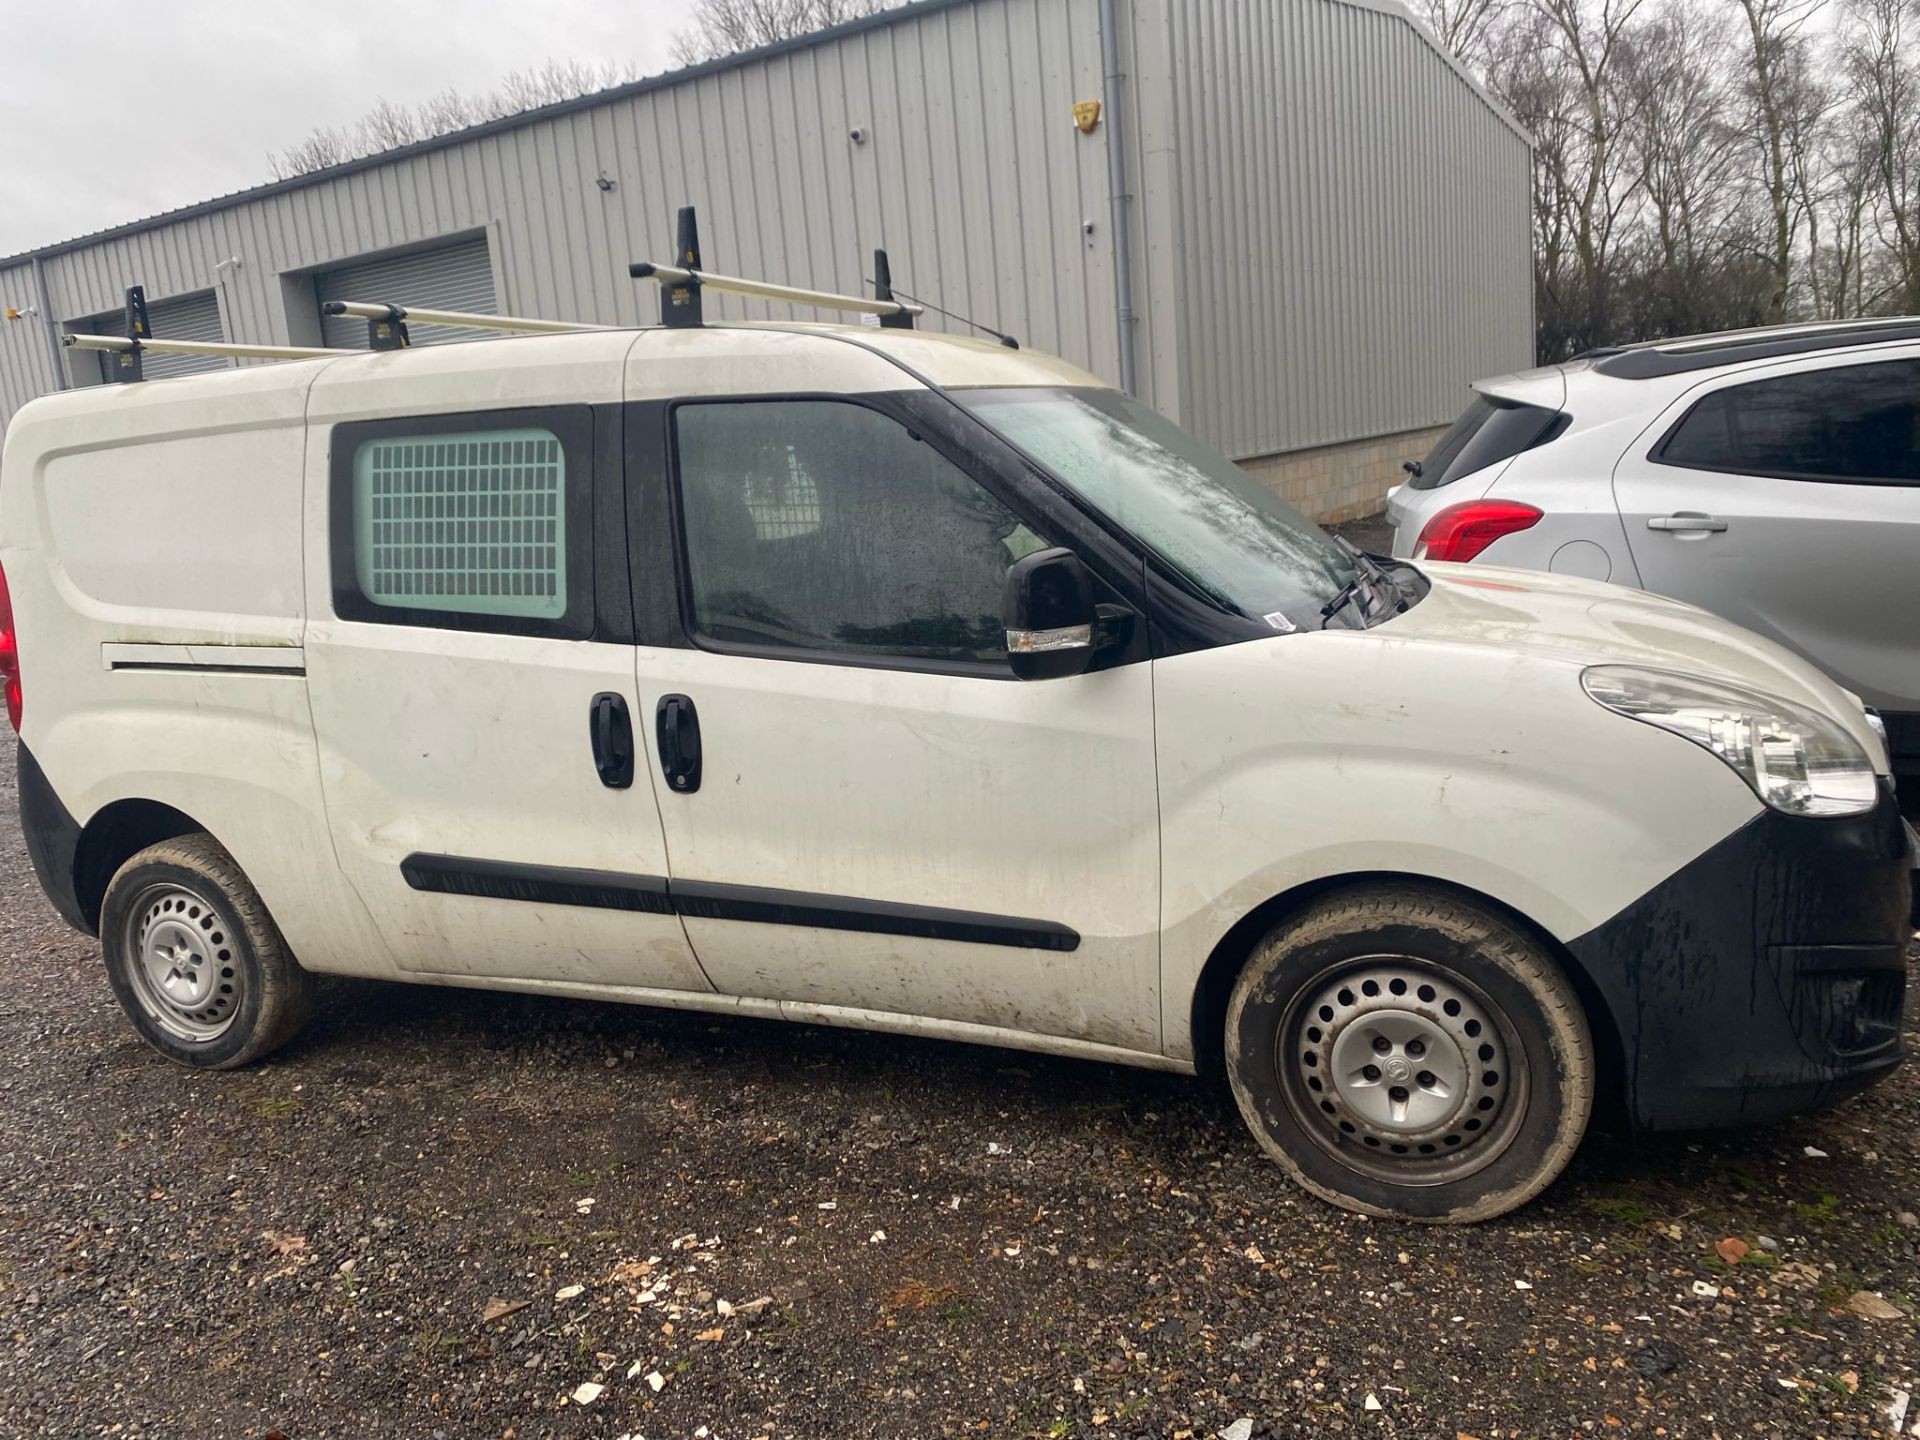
column 611, row 732
column 676, row 726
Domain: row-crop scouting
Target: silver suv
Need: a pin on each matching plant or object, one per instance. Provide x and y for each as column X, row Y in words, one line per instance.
column 1771, row 476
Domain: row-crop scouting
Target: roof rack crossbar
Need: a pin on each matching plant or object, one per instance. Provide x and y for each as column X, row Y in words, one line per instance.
column 379, row 314
column 765, row 290
column 125, row 345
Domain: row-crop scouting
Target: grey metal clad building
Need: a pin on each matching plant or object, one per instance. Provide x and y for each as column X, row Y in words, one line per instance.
column 1323, row 218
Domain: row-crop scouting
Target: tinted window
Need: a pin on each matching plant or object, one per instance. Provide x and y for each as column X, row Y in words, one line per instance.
column 1854, row 423
column 1488, row 431
column 826, row 526
column 472, row 521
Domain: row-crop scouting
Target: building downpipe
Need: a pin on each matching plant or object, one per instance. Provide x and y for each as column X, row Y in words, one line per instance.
column 49, row 324
column 1112, row 101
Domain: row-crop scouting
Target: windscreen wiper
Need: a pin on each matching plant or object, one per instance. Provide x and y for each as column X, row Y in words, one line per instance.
column 1349, row 591
column 1368, row 579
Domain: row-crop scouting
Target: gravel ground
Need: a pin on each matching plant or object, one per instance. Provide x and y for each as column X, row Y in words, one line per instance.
column 910, row 1238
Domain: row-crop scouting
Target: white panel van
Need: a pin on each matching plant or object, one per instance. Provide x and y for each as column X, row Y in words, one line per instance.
column 913, row 683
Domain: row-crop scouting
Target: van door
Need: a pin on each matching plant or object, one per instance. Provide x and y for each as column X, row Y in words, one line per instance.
column 865, row 811
column 1790, row 504
column 470, row 663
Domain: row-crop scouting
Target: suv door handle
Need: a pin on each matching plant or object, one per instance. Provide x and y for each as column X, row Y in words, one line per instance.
column 1685, row 520
column 676, row 725
column 611, row 732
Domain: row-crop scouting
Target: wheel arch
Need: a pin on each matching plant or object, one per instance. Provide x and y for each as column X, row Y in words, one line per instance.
column 115, row 834
column 1223, row 965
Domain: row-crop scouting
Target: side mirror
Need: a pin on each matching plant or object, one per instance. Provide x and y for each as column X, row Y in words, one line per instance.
column 1050, row 615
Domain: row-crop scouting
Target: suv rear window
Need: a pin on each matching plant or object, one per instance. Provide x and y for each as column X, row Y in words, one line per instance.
column 1488, row 431
column 1852, row 424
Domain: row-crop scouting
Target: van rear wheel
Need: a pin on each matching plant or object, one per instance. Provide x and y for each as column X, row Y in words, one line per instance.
column 196, row 961
column 1406, row 1053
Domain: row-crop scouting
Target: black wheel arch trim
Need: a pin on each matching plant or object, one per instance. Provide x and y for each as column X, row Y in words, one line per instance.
column 710, row 900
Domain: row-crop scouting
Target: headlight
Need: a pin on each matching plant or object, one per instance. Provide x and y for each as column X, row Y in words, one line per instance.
column 1797, row 760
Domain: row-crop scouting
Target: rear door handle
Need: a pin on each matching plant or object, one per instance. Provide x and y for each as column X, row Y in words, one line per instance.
column 1685, row 520
column 611, row 731
column 676, row 726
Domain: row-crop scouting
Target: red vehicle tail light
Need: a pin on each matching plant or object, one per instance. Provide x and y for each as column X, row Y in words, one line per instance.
column 1462, row 531
column 9, row 654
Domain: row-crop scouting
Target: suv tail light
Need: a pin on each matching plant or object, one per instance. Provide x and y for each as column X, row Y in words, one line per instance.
column 9, row 654
column 1462, row 531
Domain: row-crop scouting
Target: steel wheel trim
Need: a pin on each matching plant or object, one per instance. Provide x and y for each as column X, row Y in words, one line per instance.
column 1402, row 1070
column 179, row 952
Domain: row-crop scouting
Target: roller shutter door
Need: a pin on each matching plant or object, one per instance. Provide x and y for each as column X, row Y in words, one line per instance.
column 451, row 277
column 185, row 317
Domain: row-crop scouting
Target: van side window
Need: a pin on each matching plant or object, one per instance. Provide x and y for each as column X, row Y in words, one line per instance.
column 827, row 526
column 1851, row 423
column 466, row 522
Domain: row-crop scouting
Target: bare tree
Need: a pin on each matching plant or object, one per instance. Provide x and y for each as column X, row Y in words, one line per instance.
column 1783, row 100
column 726, row 27
column 388, row 126
column 1685, row 141
column 1882, row 53
column 1469, row 29
column 1588, row 39
column 1841, row 208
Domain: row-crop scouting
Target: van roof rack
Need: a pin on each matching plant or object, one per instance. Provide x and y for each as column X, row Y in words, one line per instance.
column 681, row 286
column 682, row 282
column 387, row 322
column 127, row 349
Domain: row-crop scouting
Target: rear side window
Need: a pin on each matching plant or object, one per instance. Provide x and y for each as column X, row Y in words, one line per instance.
column 1853, row 424
column 826, row 527
column 1488, row 431
column 471, row 522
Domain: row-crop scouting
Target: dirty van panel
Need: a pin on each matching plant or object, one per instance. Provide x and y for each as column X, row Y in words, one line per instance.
column 205, row 539
column 152, row 537
column 168, row 512
column 478, row 727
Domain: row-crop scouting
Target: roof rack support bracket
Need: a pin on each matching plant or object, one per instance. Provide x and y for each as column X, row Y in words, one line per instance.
column 883, row 290
column 126, row 368
column 680, row 300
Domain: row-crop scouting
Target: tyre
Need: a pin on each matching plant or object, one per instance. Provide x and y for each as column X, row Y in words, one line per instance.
column 196, row 961
column 1406, row 1053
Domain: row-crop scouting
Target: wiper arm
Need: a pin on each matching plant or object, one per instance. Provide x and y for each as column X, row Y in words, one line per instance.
column 1367, row 572
column 1348, row 592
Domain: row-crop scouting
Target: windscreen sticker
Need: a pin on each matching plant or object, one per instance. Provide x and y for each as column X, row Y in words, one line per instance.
column 1280, row 622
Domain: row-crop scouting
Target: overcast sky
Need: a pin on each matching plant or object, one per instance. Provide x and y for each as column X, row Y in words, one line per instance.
column 225, row 84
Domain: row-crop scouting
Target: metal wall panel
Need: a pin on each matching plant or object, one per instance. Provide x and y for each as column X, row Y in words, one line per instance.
column 1327, row 222
column 26, row 355
column 1352, row 224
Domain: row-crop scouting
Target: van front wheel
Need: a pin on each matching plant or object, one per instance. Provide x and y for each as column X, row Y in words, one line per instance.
column 1406, row 1053
column 195, row 959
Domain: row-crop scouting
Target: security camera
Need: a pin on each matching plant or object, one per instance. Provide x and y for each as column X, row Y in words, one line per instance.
column 858, row 134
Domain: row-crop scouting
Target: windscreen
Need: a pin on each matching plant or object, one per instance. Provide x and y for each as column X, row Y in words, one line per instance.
column 1230, row 536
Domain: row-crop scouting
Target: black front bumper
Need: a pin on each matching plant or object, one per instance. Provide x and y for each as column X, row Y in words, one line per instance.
column 1767, row 976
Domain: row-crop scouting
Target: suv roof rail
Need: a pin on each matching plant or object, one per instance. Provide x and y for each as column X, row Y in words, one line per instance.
column 1687, row 353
